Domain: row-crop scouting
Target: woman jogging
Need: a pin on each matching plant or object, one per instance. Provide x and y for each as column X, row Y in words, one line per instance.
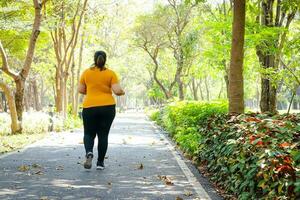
column 97, row 83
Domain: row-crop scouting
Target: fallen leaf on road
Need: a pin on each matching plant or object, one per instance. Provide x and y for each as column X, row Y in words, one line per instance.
column 141, row 166
column 23, row 168
column 59, row 168
column 188, row 193
column 44, row 198
column 36, row 165
column 179, row 198
column 161, row 139
column 109, row 183
column 166, row 179
column 124, row 141
column 39, row 172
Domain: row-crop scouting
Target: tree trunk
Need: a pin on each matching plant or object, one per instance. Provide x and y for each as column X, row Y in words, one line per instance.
column 200, row 89
column 15, row 123
column 75, row 111
column 236, row 85
column 179, row 57
column 207, row 89
column 257, row 95
column 19, row 97
column 72, row 95
column 59, row 85
column 267, row 58
column 195, row 89
column 35, row 91
column 65, row 95
column 180, row 89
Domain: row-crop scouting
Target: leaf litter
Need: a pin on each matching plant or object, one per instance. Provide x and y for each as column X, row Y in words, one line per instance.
column 166, row 180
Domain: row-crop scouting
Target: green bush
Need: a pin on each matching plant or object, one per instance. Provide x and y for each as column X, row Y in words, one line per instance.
column 155, row 115
column 253, row 156
column 72, row 122
column 180, row 119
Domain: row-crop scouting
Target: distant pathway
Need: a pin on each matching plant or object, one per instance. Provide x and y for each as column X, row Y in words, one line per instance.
column 141, row 164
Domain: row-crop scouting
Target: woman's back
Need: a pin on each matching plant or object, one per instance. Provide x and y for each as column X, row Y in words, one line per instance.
column 98, row 87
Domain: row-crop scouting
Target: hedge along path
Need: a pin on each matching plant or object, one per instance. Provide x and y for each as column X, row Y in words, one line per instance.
column 140, row 165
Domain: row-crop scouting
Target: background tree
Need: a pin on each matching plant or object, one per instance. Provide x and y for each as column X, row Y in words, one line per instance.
column 64, row 34
column 20, row 77
column 275, row 19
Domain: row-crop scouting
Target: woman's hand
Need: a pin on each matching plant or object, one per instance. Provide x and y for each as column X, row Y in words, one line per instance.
column 82, row 88
column 117, row 89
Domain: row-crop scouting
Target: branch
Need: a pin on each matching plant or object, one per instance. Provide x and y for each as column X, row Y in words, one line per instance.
column 5, row 66
column 291, row 71
column 278, row 10
column 77, row 32
column 44, row 2
column 33, row 38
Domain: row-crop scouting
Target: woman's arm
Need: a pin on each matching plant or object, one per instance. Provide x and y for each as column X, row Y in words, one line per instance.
column 82, row 88
column 117, row 89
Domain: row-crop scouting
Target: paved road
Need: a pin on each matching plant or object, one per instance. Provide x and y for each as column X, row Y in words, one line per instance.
column 141, row 164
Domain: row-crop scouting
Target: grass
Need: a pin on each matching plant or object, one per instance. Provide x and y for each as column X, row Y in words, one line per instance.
column 10, row 143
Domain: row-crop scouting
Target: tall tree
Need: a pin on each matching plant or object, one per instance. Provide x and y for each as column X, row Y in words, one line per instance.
column 65, row 37
column 276, row 17
column 177, row 24
column 236, row 85
column 153, row 43
column 19, row 78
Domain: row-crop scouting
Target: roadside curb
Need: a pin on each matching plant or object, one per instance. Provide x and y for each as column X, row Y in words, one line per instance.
column 202, row 194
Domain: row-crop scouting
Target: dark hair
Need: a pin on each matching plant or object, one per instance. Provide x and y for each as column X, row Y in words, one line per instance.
column 100, row 59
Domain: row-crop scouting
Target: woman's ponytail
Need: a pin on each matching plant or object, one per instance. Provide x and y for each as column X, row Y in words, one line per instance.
column 100, row 59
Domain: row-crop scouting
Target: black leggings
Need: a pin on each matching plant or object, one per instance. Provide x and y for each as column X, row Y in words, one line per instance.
column 97, row 120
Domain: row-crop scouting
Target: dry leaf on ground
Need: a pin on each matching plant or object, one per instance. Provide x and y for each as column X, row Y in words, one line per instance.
column 59, row 168
column 141, row 166
column 39, row 172
column 23, row 168
column 34, row 165
column 124, row 141
column 188, row 193
column 166, row 179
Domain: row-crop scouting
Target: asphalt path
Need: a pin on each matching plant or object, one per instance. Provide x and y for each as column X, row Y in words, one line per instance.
column 141, row 163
